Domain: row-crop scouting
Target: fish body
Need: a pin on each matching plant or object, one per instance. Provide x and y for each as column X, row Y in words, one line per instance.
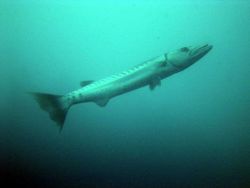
column 150, row 73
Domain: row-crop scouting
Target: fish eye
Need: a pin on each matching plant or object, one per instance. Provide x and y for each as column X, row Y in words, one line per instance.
column 184, row 49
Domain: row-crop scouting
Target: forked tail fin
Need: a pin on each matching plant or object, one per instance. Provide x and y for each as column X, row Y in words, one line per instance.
column 54, row 105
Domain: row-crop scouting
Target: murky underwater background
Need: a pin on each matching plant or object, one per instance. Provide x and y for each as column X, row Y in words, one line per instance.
column 193, row 131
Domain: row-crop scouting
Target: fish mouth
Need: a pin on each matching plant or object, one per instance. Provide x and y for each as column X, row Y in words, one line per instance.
column 200, row 51
column 205, row 48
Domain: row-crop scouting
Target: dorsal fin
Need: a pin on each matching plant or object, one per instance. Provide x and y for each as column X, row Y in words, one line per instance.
column 86, row 82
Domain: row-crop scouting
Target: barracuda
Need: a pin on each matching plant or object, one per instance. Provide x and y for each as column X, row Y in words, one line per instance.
column 148, row 73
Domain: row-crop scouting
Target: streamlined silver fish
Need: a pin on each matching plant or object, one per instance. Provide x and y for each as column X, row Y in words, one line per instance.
column 148, row 73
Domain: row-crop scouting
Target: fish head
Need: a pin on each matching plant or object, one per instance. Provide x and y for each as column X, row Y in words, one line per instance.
column 186, row 56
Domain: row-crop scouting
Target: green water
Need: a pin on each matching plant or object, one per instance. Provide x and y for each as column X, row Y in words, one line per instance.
column 193, row 131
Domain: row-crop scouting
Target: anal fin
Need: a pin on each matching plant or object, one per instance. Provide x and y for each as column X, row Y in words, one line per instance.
column 102, row 102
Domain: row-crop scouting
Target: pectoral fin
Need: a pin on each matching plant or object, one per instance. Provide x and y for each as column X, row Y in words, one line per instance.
column 155, row 82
